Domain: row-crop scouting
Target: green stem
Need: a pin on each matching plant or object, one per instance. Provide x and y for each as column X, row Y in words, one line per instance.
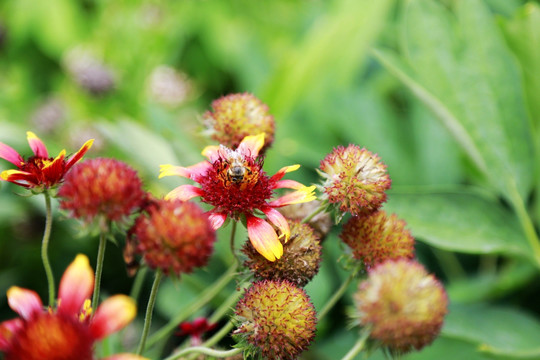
column 450, row 264
column 205, row 351
column 45, row 249
column 315, row 212
column 149, row 311
column 138, row 283
column 337, row 295
column 358, row 346
column 233, row 234
column 99, row 269
column 219, row 335
column 206, row 296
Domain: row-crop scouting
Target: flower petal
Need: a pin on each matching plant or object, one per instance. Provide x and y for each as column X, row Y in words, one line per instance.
column 54, row 170
column 278, row 220
column 277, row 176
column 306, row 194
column 79, row 154
column 21, row 178
column 24, row 302
column 216, row 219
column 37, row 146
column 289, row 184
column 10, row 154
column 125, row 357
column 184, row 193
column 192, row 172
column 212, row 153
column 251, row 145
column 7, row 331
column 113, row 315
column 76, row 285
column 263, row 238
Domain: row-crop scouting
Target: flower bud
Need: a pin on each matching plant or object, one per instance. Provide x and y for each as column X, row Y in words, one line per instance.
column 403, row 304
column 321, row 223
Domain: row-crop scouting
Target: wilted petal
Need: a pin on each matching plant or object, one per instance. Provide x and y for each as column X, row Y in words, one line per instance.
column 216, row 220
column 263, row 238
column 76, row 285
column 184, row 193
column 24, row 302
column 37, row 146
column 306, row 194
column 79, row 154
column 251, row 145
column 113, row 315
column 279, row 220
column 9, row 154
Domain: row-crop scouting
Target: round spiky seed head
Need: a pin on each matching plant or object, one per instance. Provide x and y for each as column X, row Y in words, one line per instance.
column 355, row 180
column 300, row 260
column 376, row 237
column 101, row 190
column 321, row 223
column 173, row 235
column 404, row 305
column 235, row 116
column 276, row 320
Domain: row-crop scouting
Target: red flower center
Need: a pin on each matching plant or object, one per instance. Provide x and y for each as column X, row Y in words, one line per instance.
column 51, row 337
column 236, row 187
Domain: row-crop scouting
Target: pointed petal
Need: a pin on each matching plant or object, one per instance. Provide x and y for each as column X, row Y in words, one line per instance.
column 278, row 220
column 37, row 146
column 277, row 176
column 289, row 184
column 192, row 172
column 10, row 154
column 24, row 302
column 216, row 220
column 263, row 238
column 54, row 171
column 21, row 178
column 8, row 329
column 212, row 153
column 79, row 154
column 125, row 357
column 76, row 285
column 113, row 315
column 184, row 193
column 251, row 145
column 306, row 194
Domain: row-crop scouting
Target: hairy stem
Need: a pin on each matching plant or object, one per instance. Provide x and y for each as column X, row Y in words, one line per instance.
column 99, row 268
column 45, row 249
column 149, row 311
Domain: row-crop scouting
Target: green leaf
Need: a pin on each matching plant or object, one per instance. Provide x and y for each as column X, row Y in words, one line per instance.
column 460, row 67
column 461, row 221
column 444, row 348
column 497, row 330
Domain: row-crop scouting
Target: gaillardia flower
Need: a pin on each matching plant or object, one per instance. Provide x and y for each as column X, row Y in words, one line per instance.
column 376, row 237
column 403, row 304
column 107, row 189
column 355, row 180
column 300, row 260
column 234, row 182
column 70, row 330
column 195, row 329
column 276, row 320
column 38, row 172
column 236, row 116
column 172, row 235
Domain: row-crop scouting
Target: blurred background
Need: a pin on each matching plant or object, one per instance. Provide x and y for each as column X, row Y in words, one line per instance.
column 446, row 92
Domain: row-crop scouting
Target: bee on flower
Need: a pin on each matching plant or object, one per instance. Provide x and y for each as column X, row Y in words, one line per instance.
column 234, row 182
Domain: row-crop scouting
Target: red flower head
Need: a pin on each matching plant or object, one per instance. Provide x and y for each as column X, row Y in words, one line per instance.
column 234, row 182
column 70, row 330
column 38, row 172
column 355, row 180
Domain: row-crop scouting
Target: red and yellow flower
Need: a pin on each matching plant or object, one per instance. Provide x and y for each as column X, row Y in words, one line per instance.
column 70, row 330
column 40, row 171
column 234, row 182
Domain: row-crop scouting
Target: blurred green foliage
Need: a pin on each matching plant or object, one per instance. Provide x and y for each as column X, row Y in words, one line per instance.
column 446, row 92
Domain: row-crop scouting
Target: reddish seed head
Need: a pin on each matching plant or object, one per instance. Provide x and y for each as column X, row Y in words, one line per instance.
column 321, row 223
column 403, row 304
column 300, row 260
column 174, row 236
column 355, row 180
column 376, row 237
column 105, row 188
column 276, row 320
column 236, row 116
